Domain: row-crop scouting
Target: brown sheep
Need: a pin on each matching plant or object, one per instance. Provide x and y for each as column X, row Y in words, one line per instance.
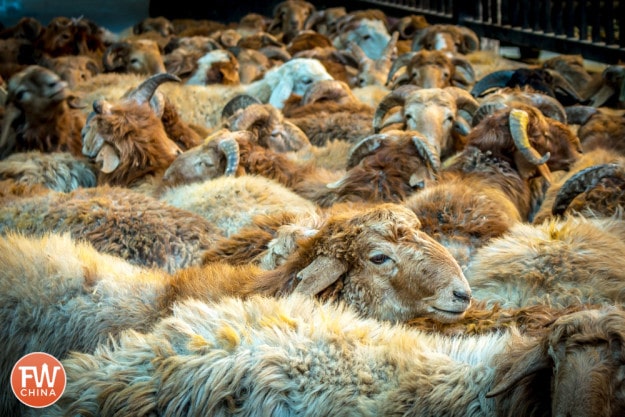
column 289, row 18
column 138, row 56
column 73, row 69
column 446, row 37
column 40, row 114
column 116, row 221
column 71, row 36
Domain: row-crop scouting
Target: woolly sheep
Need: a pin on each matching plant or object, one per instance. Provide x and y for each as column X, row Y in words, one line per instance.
column 296, row 357
column 117, row 221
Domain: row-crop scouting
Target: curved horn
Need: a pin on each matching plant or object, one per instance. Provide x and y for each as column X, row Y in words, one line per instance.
column 334, row 90
column 561, row 83
column 146, row 89
column 470, row 40
column 365, row 147
column 583, row 181
column 239, row 102
column 519, row 121
column 252, row 115
column 114, row 56
column 275, row 52
column 549, row 106
column 464, row 100
column 389, row 50
column 400, row 61
column 579, row 115
column 396, row 97
column 230, row 148
column 464, row 74
column 426, row 152
column 496, row 79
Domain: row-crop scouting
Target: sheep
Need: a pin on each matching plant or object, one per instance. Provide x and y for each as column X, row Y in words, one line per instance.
column 72, row 36
column 216, row 67
column 139, row 56
column 58, row 171
column 202, row 105
column 446, row 37
column 158, row 24
column 487, row 188
column 431, row 69
column 89, row 297
column 329, row 110
column 116, row 221
column 439, row 114
column 369, row 33
column 544, row 80
column 611, row 91
column 374, row 71
column 559, row 262
column 245, row 197
column 603, row 130
column 40, row 114
column 571, row 67
column 181, row 54
column 129, row 138
column 289, row 18
column 296, row 357
column 72, row 68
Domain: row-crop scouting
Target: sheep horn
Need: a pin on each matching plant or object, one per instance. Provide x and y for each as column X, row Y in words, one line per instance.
column 11, row 113
column 488, row 108
column 396, row 97
column 255, row 114
column 427, row 152
column 519, row 121
column 464, row 100
column 464, row 75
column 583, row 181
column 549, row 106
column 389, row 50
column 326, row 90
column 561, row 83
column 144, row 92
column 358, row 53
column 365, row 147
column 496, row 79
column 274, row 52
column 230, row 148
column 400, row 61
column 579, row 115
column 470, row 40
column 296, row 137
column 322, row 272
column 239, row 102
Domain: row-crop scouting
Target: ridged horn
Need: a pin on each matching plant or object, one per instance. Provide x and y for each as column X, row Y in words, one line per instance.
column 254, row 114
column 333, row 90
column 396, row 97
column 239, row 102
column 496, row 79
column 230, row 148
column 365, row 147
column 426, row 152
column 519, row 121
column 579, row 115
column 561, row 83
column 583, row 181
column 400, row 61
column 144, row 92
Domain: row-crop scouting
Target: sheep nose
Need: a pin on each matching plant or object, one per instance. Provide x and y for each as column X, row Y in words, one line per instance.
column 462, row 296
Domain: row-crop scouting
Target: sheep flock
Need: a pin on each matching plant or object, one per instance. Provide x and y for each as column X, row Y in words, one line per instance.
column 318, row 212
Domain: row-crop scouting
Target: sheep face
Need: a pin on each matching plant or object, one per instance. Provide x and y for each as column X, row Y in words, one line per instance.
column 370, row 35
column 391, row 270
column 65, row 36
column 73, row 69
column 216, row 67
column 142, row 56
column 36, row 91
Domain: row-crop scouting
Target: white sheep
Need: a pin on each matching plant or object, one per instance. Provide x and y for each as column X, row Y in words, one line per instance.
column 296, row 357
column 202, row 105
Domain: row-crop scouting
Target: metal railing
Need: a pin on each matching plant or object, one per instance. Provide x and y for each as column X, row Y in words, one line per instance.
column 589, row 28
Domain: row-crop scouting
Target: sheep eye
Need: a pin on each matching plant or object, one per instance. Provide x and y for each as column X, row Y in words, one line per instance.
column 366, row 37
column 307, row 81
column 20, row 95
column 379, row 259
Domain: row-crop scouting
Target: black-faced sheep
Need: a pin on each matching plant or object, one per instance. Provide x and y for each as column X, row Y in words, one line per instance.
column 296, row 357
column 40, row 114
column 117, row 221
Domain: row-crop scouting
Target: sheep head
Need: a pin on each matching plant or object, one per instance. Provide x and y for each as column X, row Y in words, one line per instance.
column 65, row 36
column 159, row 24
column 36, row 95
column 128, row 137
column 217, row 156
column 140, row 56
column 431, row 69
column 374, row 71
column 270, row 128
column 388, row 167
column 528, row 140
column 289, row 18
column 434, row 112
column 73, row 69
column 371, row 35
column 446, row 37
column 582, row 357
column 378, row 261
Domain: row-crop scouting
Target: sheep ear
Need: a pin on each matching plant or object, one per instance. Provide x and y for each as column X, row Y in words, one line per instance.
column 532, row 361
column 282, row 92
column 109, row 158
column 322, row 272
